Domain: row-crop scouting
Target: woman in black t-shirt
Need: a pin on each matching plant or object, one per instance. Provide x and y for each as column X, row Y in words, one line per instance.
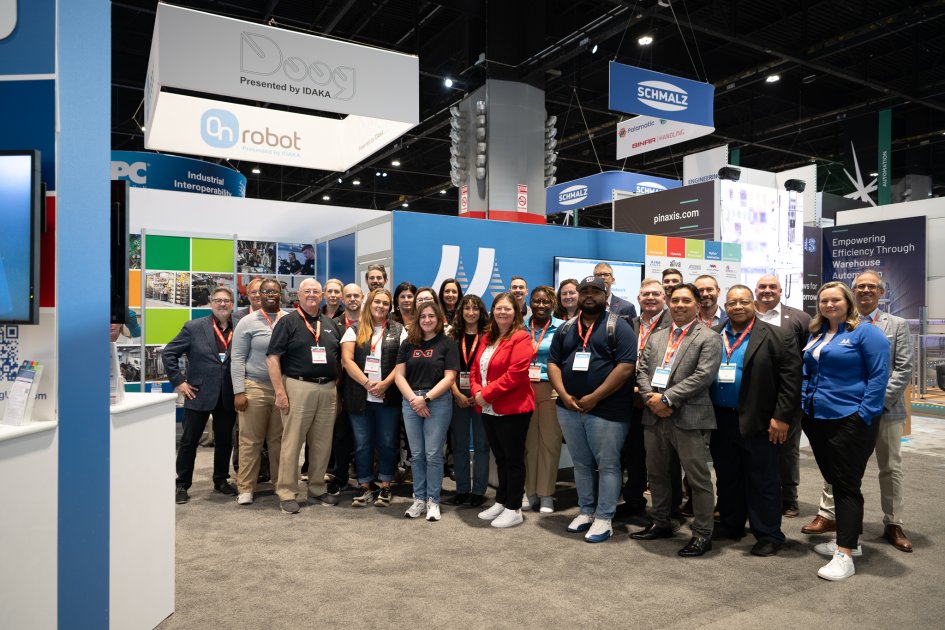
column 426, row 369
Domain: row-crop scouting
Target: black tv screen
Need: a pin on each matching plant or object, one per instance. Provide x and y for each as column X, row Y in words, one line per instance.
column 20, row 204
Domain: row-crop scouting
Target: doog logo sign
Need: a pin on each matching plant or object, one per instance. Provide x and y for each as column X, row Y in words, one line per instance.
column 219, row 128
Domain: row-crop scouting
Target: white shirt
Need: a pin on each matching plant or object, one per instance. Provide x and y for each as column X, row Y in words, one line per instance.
column 771, row 316
column 352, row 335
column 484, row 370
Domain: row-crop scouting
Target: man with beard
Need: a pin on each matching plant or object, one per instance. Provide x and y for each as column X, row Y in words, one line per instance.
column 590, row 365
column 710, row 313
column 676, row 369
column 375, row 277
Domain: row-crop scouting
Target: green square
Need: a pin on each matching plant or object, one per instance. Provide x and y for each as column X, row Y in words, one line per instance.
column 167, row 253
column 212, row 254
column 132, row 387
column 197, row 313
column 732, row 252
column 695, row 248
column 162, row 324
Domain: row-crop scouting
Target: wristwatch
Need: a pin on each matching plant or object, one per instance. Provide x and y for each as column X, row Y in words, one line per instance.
column 665, row 400
column 426, row 399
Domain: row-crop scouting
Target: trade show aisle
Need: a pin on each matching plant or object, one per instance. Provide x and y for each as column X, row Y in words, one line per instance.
column 249, row 567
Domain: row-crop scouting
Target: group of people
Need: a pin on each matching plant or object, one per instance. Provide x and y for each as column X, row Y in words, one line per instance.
column 639, row 400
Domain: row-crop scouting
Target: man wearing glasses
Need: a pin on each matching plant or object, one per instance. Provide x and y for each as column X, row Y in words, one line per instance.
column 207, row 389
column 614, row 304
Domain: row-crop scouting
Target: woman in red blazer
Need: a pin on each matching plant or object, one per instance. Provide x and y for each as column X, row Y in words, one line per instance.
column 501, row 389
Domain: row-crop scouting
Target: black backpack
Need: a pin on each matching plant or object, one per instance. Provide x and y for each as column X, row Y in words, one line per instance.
column 611, row 328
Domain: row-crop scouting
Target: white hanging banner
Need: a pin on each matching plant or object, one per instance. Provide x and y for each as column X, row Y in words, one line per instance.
column 704, row 166
column 643, row 133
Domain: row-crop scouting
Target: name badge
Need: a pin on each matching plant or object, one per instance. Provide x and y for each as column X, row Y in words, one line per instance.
column 319, row 355
column 661, row 378
column 464, row 380
column 372, row 367
column 727, row 373
column 222, row 357
column 582, row 361
column 534, row 372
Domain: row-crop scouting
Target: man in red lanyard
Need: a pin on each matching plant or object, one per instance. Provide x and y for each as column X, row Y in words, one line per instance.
column 674, row 374
column 304, row 359
column 757, row 395
column 710, row 313
column 207, row 388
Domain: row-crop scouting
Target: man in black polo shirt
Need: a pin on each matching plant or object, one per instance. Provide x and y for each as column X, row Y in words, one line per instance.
column 304, row 361
column 591, row 367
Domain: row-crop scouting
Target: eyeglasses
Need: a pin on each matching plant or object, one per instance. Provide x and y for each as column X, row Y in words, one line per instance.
column 866, row 286
column 602, row 274
column 424, row 300
column 270, row 292
column 222, row 301
column 310, row 292
column 543, row 301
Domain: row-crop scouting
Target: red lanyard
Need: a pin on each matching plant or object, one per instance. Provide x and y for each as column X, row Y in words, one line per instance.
column 707, row 322
column 315, row 333
column 472, row 351
column 531, row 329
column 379, row 337
column 348, row 322
column 584, row 337
column 872, row 320
column 729, row 349
column 225, row 342
column 641, row 342
column 269, row 321
column 672, row 348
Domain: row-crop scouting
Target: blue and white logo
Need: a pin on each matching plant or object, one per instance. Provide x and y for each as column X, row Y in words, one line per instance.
column 662, row 95
column 644, row 188
column 572, row 195
column 219, row 128
column 810, row 245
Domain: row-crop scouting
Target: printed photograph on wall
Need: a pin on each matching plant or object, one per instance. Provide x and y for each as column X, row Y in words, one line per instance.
column 154, row 363
column 167, row 288
column 296, row 259
column 134, row 251
column 129, row 362
column 255, row 257
column 290, row 290
column 242, row 281
column 203, row 284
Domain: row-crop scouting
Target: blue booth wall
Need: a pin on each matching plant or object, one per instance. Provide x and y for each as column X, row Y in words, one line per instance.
column 341, row 258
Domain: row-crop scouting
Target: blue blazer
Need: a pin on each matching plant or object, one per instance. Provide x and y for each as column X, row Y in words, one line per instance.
column 205, row 371
column 622, row 307
column 850, row 376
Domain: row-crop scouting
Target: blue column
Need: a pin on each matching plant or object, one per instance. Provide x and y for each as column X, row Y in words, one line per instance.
column 84, row 59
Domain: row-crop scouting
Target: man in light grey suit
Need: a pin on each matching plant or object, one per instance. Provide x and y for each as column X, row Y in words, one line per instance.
column 770, row 310
column 674, row 375
column 867, row 290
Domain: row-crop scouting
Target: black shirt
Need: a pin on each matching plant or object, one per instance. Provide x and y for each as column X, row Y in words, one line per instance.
column 292, row 340
column 426, row 363
column 618, row 405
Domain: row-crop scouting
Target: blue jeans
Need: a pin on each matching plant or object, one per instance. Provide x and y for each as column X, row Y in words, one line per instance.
column 427, row 437
column 464, row 421
column 594, row 444
column 377, row 428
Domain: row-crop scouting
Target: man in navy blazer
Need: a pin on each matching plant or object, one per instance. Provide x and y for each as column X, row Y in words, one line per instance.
column 207, row 388
column 614, row 304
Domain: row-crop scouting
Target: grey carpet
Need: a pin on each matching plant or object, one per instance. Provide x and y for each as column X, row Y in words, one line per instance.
column 344, row 567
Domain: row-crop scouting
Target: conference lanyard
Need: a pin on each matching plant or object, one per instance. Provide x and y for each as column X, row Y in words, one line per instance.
column 673, row 347
column 584, row 337
column 225, row 342
column 707, row 322
column 472, row 351
column 729, row 349
column 872, row 320
column 268, row 321
column 641, row 342
column 315, row 333
column 349, row 322
column 531, row 330
column 379, row 337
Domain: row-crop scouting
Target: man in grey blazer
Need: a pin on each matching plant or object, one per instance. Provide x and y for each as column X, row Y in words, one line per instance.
column 770, row 310
column 207, row 388
column 674, row 374
column 614, row 304
column 867, row 290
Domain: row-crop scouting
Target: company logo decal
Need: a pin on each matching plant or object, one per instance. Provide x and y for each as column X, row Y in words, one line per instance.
column 422, row 354
column 219, row 128
column 137, row 172
column 572, row 195
column 262, row 55
column 810, row 245
column 485, row 277
column 644, row 188
column 662, row 95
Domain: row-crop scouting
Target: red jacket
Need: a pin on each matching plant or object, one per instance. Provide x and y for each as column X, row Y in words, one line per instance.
column 509, row 390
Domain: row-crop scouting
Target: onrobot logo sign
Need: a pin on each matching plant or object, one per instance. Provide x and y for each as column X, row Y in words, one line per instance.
column 662, row 95
column 219, row 128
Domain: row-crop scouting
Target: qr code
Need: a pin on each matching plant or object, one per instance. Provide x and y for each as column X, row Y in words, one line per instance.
column 9, row 352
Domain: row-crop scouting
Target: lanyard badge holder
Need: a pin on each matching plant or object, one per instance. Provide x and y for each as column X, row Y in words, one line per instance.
column 582, row 359
column 319, row 355
column 534, row 370
column 728, row 371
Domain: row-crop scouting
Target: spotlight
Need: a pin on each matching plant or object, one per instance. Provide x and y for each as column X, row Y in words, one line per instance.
column 874, row 174
column 356, row 182
column 448, row 82
column 377, row 173
column 443, row 192
column 256, row 171
column 383, row 174
column 326, row 198
column 772, row 78
column 395, row 163
column 339, row 180
column 795, row 185
column 646, row 40
column 594, row 50
column 405, row 205
column 730, row 173
column 143, row 128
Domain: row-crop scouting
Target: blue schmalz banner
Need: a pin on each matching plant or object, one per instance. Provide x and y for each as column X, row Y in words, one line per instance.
column 171, row 172
column 599, row 188
column 639, row 91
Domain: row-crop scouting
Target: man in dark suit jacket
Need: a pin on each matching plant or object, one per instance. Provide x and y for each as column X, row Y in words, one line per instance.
column 757, row 396
column 770, row 310
column 614, row 304
column 207, row 388
column 674, row 374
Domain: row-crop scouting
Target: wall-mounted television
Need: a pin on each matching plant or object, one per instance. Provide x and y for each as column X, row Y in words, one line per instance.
column 20, row 210
column 627, row 275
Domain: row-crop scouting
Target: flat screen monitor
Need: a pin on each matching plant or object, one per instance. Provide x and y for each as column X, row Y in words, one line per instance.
column 20, row 204
column 627, row 275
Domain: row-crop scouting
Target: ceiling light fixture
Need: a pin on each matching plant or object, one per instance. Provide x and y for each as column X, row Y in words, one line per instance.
column 772, row 78
column 395, row 163
column 594, row 50
column 646, row 40
column 339, row 180
column 448, row 82
column 874, row 174
column 326, row 198
column 383, row 174
column 356, row 182
column 443, row 192
column 405, row 204
column 256, row 171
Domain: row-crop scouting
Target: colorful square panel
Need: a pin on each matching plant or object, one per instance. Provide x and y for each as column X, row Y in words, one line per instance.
column 163, row 324
column 134, row 288
column 212, row 254
column 170, row 253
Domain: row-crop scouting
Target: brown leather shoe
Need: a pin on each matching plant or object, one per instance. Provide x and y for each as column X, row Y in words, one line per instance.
column 895, row 536
column 819, row 525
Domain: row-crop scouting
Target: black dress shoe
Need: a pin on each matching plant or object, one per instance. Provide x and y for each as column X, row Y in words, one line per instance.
column 476, row 500
column 721, row 532
column 459, row 498
column 765, row 548
column 652, row 532
column 696, row 547
column 225, row 488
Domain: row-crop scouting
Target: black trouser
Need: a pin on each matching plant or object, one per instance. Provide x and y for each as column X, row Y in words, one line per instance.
column 842, row 448
column 633, row 460
column 342, row 449
column 507, row 440
column 748, row 480
column 193, row 426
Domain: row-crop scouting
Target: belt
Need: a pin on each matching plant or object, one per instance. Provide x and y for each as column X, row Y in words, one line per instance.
column 321, row 380
column 728, row 409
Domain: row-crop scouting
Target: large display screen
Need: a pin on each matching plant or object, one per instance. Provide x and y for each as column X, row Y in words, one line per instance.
column 19, row 255
column 627, row 275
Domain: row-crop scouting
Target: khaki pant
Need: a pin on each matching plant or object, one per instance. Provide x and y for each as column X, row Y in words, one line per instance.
column 311, row 417
column 261, row 422
column 542, row 444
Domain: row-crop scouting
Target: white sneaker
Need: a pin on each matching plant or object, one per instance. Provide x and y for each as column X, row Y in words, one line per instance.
column 581, row 523
column 433, row 510
column 416, row 509
column 839, row 568
column 600, row 531
column 245, row 498
column 547, row 505
column 492, row 512
column 529, row 502
column 830, row 548
column 508, row 518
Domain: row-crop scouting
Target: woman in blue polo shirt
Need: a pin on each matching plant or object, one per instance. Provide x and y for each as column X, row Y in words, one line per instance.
column 846, row 366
